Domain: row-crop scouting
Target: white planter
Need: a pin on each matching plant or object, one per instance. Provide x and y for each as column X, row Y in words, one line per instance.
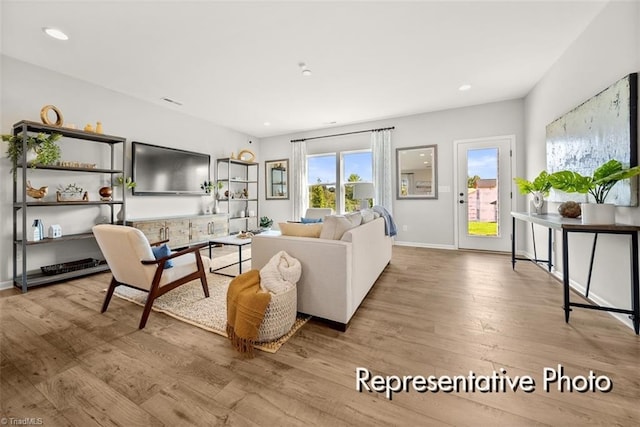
column 598, row 213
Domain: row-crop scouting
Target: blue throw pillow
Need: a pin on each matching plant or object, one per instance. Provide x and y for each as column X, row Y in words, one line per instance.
column 161, row 252
column 310, row 220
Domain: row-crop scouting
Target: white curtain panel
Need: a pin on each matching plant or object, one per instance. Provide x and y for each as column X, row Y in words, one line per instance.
column 382, row 169
column 299, row 188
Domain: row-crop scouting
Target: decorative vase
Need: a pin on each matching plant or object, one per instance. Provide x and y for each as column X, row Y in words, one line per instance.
column 206, row 203
column 537, row 204
column 598, row 213
column 105, row 193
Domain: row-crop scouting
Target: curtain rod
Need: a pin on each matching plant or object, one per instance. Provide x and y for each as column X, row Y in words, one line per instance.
column 343, row 134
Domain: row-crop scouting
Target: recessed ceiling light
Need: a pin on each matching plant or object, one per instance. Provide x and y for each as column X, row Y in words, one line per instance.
column 305, row 70
column 267, row 123
column 55, row 33
column 464, row 87
column 332, row 122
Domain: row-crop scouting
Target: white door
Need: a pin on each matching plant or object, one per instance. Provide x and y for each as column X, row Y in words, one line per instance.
column 484, row 193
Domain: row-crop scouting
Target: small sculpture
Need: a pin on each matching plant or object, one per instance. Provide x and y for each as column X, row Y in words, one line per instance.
column 98, row 127
column 570, row 209
column 88, row 127
column 36, row 193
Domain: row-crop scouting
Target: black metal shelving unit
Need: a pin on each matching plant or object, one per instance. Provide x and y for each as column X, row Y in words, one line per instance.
column 236, row 176
column 22, row 278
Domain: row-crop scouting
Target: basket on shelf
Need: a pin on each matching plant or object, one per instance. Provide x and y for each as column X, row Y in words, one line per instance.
column 66, row 267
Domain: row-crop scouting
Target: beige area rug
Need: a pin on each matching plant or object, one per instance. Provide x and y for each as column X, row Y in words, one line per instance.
column 188, row 304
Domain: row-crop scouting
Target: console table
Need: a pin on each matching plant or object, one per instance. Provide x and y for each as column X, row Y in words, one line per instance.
column 571, row 225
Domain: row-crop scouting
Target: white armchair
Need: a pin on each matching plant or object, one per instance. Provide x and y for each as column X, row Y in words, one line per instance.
column 132, row 263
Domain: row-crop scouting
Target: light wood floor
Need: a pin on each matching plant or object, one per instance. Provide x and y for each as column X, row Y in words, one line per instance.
column 431, row 312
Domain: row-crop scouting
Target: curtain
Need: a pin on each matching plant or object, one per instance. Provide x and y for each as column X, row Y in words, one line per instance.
column 382, row 169
column 299, row 187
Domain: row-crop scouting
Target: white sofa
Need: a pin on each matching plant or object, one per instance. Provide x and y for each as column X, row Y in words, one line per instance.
column 336, row 274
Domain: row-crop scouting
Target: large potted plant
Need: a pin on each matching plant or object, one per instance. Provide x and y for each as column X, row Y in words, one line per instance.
column 598, row 185
column 539, row 188
column 43, row 147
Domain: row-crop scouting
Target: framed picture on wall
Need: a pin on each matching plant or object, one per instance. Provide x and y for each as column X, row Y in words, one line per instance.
column 277, row 179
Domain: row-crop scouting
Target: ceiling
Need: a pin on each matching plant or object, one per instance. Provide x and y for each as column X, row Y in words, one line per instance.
column 236, row 64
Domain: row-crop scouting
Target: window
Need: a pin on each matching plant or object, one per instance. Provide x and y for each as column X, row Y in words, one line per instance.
column 330, row 176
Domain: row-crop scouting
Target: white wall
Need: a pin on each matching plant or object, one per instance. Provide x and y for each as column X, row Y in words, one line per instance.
column 608, row 50
column 429, row 222
column 26, row 88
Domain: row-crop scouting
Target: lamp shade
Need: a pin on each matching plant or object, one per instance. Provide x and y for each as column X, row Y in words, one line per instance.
column 363, row 190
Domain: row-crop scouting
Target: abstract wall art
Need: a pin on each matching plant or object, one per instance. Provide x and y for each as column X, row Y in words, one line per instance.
column 602, row 128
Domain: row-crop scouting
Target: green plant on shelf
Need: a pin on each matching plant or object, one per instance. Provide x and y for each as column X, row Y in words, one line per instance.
column 127, row 182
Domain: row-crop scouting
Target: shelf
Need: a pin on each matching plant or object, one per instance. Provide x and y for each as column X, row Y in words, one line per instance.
column 18, row 205
column 241, row 181
column 69, row 133
column 236, row 161
column 238, row 200
column 37, row 279
column 243, row 217
column 73, row 169
column 79, row 236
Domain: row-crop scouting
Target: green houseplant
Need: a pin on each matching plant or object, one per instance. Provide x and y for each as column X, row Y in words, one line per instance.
column 539, row 188
column 43, row 145
column 265, row 222
column 598, row 185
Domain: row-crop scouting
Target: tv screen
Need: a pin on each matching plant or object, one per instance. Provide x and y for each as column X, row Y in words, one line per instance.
column 168, row 171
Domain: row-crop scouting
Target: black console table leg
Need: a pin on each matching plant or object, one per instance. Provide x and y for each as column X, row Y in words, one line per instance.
column 513, row 242
column 549, row 248
column 635, row 291
column 565, row 273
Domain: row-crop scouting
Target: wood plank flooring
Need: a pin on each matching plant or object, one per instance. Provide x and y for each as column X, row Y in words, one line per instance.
column 432, row 312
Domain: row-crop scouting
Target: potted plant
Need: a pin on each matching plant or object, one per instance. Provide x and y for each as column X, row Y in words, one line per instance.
column 539, row 188
column 265, row 222
column 47, row 152
column 207, row 186
column 598, row 185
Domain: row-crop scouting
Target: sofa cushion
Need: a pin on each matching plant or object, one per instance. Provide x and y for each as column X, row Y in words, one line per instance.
column 310, row 220
column 367, row 215
column 300, row 230
column 355, row 218
column 334, row 226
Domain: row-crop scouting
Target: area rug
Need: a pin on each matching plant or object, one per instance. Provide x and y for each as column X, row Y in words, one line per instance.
column 188, row 304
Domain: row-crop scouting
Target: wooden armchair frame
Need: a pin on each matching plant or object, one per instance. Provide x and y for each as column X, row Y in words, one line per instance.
column 155, row 290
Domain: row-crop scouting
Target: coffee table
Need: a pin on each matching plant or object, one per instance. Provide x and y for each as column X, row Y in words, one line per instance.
column 232, row 241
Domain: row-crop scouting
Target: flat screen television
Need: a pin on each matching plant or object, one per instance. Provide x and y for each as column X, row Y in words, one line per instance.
column 168, row 171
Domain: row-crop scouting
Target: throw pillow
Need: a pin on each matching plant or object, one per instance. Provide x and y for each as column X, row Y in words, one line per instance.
column 161, row 252
column 367, row 215
column 300, row 230
column 355, row 218
column 334, row 227
column 310, row 220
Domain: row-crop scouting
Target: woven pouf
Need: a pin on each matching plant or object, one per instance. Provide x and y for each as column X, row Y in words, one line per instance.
column 279, row 316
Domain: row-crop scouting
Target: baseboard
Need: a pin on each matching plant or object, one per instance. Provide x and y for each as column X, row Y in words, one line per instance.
column 6, row 285
column 424, row 245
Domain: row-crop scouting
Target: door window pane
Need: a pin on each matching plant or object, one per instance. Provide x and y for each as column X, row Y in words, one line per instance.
column 482, row 193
